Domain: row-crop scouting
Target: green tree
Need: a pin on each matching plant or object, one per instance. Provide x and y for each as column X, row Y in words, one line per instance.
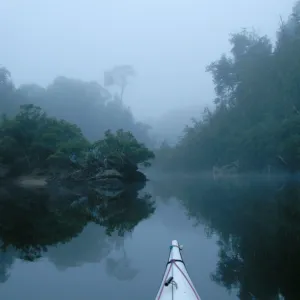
column 123, row 145
column 31, row 138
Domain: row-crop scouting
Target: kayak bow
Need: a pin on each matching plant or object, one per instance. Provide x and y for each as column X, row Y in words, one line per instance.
column 176, row 283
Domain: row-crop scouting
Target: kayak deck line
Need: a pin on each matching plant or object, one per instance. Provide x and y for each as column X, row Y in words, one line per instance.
column 174, row 260
column 176, row 283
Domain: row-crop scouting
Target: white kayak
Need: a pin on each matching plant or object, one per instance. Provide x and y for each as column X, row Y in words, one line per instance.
column 176, row 283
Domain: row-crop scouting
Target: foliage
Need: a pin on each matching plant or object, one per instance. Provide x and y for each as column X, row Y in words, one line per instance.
column 123, row 144
column 257, row 108
column 31, row 138
column 86, row 104
column 34, row 140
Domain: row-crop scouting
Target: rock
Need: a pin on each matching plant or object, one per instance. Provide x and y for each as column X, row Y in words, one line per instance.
column 109, row 174
column 230, row 169
column 108, row 193
column 31, row 182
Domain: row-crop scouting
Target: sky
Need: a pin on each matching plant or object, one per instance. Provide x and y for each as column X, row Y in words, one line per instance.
column 169, row 43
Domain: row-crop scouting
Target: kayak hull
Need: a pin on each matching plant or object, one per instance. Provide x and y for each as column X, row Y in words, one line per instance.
column 176, row 283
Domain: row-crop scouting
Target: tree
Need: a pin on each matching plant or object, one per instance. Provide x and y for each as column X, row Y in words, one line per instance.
column 119, row 76
column 31, row 138
column 7, row 96
column 123, row 145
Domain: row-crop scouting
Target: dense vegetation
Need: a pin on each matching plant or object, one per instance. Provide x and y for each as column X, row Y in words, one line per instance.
column 91, row 131
column 48, row 217
column 32, row 140
column 256, row 119
column 87, row 104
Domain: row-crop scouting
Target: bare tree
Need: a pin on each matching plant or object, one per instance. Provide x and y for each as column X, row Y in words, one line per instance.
column 119, row 76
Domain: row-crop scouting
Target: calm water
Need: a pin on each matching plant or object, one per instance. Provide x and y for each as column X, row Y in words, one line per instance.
column 241, row 239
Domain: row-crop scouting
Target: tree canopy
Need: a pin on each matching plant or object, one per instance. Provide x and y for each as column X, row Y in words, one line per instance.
column 29, row 139
column 33, row 140
column 87, row 104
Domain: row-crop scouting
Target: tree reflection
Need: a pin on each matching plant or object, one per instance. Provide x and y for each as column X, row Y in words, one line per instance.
column 91, row 246
column 120, row 267
column 123, row 212
column 258, row 226
column 31, row 221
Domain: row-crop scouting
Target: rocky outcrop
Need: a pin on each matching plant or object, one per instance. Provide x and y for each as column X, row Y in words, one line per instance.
column 109, row 183
column 31, row 181
column 229, row 169
column 109, row 174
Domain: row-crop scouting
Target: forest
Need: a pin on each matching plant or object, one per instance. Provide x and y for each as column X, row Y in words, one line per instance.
column 89, row 105
column 253, row 126
column 255, row 122
column 70, row 126
column 79, row 132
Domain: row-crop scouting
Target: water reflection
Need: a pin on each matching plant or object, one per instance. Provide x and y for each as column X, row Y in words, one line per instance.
column 121, row 268
column 7, row 258
column 68, row 226
column 256, row 224
column 258, row 227
column 91, row 246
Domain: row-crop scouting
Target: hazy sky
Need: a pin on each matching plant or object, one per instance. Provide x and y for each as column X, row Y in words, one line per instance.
column 169, row 42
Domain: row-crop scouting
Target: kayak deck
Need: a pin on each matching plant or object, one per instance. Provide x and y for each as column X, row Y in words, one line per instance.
column 176, row 283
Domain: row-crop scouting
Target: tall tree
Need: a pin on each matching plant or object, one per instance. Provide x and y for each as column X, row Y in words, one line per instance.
column 119, row 76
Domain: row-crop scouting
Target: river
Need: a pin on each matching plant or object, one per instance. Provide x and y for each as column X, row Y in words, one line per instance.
column 241, row 240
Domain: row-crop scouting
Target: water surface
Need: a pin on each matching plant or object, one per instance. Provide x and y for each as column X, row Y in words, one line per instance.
column 240, row 237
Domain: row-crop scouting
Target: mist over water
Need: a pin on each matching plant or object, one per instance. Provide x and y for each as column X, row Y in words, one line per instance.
column 127, row 124
column 229, row 230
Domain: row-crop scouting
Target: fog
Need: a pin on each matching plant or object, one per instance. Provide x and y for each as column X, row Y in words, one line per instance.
column 68, row 118
column 169, row 43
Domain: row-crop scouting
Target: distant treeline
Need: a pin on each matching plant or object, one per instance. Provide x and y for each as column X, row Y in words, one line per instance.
column 86, row 104
column 256, row 119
